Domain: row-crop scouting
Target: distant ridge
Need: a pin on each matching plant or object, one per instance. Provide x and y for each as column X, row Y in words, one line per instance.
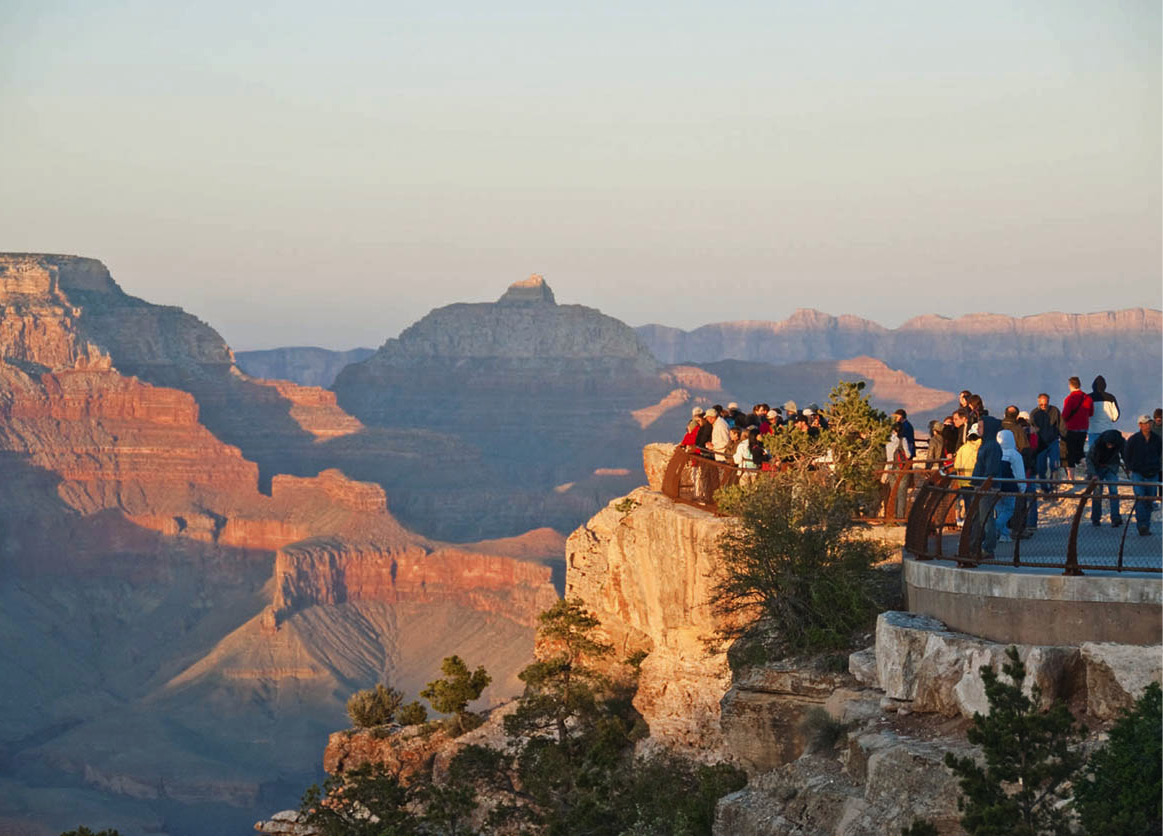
column 1008, row 358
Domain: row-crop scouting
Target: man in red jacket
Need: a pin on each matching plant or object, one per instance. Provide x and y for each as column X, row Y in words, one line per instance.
column 1076, row 412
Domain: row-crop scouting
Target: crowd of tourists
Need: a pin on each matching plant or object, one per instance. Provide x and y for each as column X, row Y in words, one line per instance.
column 730, row 435
column 1022, row 450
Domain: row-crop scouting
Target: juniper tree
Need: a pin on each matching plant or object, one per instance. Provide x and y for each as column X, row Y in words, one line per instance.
column 452, row 693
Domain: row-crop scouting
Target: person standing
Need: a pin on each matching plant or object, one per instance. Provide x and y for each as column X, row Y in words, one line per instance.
column 1010, row 513
column 904, row 437
column 1143, row 460
column 1047, row 419
column 1010, row 422
column 1103, row 459
column 989, row 463
column 1076, row 410
column 1106, row 410
column 720, row 434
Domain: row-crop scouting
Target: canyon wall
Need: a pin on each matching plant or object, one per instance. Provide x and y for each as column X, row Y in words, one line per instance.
column 185, row 620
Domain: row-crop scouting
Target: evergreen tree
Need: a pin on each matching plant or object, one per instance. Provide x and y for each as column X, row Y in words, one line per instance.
column 1030, row 759
column 562, row 686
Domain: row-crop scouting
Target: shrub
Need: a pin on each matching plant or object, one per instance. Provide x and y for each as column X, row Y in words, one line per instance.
column 821, row 731
column 1027, row 751
column 853, row 444
column 789, row 560
column 1121, row 788
column 452, row 693
column 411, row 713
column 372, row 707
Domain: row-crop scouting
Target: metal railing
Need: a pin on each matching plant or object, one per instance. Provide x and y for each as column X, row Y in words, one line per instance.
column 1058, row 538
column 693, row 476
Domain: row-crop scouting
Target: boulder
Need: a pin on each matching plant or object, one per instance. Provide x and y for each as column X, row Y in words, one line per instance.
column 862, row 666
column 655, row 457
column 939, row 670
column 901, row 638
column 1116, row 675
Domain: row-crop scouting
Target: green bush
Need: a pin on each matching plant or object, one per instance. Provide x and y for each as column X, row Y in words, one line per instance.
column 1121, row 788
column 411, row 713
column 372, row 707
column 789, row 561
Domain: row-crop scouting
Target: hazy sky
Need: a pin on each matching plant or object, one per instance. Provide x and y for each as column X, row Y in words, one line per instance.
column 325, row 173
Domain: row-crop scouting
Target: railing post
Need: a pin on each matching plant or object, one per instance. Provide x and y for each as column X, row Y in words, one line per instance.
column 1123, row 541
column 1072, row 544
column 917, row 527
column 972, row 524
column 672, row 479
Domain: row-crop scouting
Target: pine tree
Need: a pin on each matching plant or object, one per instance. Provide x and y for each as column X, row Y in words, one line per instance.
column 562, row 685
column 1029, row 759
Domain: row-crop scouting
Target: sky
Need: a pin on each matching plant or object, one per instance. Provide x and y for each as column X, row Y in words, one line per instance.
column 306, row 173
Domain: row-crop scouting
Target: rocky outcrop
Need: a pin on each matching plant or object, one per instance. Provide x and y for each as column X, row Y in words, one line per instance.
column 881, row 782
column 764, row 711
column 938, row 670
column 645, row 566
column 405, row 751
column 1116, row 344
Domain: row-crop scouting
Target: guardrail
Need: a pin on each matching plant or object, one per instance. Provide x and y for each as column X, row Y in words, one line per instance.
column 692, row 477
column 1060, row 540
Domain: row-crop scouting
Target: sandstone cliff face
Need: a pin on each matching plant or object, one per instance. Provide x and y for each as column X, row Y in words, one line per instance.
column 1007, row 359
column 646, row 573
